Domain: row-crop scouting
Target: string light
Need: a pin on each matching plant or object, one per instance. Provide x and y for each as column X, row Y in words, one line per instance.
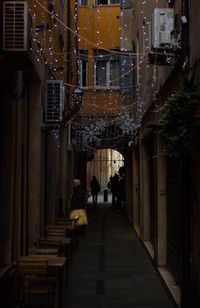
column 52, row 59
column 84, row 39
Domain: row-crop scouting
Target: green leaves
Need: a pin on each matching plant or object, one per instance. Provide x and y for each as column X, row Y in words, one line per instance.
column 176, row 125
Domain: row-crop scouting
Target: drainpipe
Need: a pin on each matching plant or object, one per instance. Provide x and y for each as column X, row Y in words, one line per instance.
column 185, row 30
column 69, row 45
column 76, row 39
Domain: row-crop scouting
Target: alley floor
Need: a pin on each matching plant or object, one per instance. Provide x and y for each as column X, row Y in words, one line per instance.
column 111, row 268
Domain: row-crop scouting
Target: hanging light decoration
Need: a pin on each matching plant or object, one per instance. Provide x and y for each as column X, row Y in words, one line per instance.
column 127, row 124
column 89, row 135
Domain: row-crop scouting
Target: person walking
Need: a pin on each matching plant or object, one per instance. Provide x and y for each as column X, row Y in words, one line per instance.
column 114, row 189
column 95, row 189
column 121, row 193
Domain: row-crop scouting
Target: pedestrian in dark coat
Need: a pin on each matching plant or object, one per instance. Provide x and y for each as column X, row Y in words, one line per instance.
column 121, row 193
column 95, row 189
column 78, row 202
column 114, row 189
column 78, row 196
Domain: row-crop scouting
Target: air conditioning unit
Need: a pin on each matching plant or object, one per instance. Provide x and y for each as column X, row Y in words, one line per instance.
column 15, row 26
column 162, row 26
column 54, row 101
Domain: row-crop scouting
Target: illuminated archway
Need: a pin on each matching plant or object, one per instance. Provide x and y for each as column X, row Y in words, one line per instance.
column 106, row 162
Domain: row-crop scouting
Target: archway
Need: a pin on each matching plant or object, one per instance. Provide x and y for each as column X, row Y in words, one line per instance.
column 106, row 162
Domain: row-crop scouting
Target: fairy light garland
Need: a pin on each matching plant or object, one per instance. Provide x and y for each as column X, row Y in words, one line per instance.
column 83, row 38
column 91, row 134
column 52, row 57
column 50, row 51
column 44, row 56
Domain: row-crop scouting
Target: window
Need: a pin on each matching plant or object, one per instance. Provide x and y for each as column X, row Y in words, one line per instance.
column 106, row 69
column 83, row 2
column 83, row 69
column 106, row 2
column 83, row 74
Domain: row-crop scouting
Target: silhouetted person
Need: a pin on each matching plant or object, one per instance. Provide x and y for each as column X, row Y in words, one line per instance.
column 114, row 188
column 95, row 188
column 121, row 193
column 78, row 196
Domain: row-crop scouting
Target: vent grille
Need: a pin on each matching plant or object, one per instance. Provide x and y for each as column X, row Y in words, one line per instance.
column 15, row 26
column 54, row 101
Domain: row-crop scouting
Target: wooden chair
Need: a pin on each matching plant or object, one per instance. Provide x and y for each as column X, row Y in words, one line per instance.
column 71, row 228
column 64, row 245
column 46, row 251
column 66, row 221
column 33, row 279
column 63, row 231
column 50, row 243
column 55, row 231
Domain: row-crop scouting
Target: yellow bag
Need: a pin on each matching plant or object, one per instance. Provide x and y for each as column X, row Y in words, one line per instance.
column 82, row 214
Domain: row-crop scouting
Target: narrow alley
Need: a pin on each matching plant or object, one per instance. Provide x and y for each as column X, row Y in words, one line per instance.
column 111, row 268
column 100, row 112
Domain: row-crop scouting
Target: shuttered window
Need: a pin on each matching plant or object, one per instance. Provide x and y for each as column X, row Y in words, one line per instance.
column 83, row 69
column 107, row 70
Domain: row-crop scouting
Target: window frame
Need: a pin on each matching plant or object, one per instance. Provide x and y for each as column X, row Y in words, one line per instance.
column 80, row 2
column 108, row 64
column 109, row 2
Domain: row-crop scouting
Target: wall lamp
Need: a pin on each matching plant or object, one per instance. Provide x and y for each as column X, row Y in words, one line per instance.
column 77, row 96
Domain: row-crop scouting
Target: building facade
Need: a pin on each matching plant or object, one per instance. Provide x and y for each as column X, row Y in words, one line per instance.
column 36, row 162
column 165, row 194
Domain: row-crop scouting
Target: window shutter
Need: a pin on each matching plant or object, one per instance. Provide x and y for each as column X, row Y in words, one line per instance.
column 127, row 81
